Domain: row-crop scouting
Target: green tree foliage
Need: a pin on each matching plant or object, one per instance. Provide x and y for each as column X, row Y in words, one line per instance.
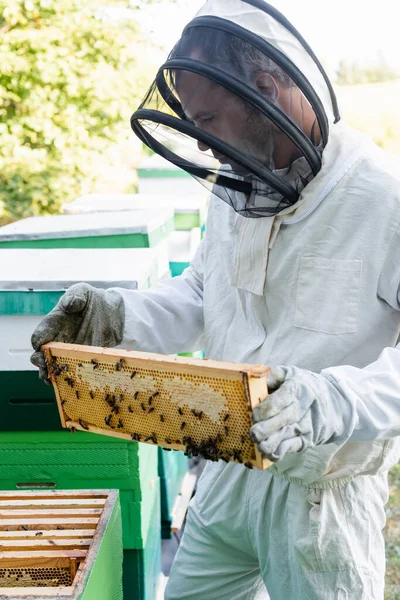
column 68, row 81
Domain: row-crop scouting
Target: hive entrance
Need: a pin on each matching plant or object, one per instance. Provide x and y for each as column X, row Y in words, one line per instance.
column 202, row 407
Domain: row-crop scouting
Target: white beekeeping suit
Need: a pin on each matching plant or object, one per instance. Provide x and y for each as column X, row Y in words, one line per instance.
column 299, row 267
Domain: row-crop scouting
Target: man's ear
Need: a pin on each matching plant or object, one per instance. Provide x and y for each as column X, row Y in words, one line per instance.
column 266, row 84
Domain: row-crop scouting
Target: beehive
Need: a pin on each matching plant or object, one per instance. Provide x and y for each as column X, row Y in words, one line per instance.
column 50, row 543
column 202, row 407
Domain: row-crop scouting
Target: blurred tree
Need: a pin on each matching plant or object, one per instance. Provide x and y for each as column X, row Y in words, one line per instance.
column 352, row 73
column 68, row 81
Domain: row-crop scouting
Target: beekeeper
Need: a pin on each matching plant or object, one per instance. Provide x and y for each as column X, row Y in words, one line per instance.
column 300, row 267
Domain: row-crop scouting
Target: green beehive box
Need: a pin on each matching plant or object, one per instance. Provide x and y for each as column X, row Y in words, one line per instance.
column 63, row 545
column 120, row 229
column 62, row 460
column 31, row 283
column 189, row 210
column 142, row 567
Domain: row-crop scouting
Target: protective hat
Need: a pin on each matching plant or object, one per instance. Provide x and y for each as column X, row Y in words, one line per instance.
column 243, row 105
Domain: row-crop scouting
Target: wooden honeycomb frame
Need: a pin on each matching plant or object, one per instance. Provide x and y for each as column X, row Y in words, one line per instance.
column 51, row 537
column 199, row 406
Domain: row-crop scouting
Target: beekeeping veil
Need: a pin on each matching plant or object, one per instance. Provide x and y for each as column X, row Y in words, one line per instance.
column 243, row 105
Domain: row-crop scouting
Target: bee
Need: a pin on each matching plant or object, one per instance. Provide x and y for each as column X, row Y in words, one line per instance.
column 80, row 365
column 91, row 394
column 136, row 437
column 107, row 421
column 59, row 527
column 71, row 429
column 150, row 401
column 63, row 402
column 110, row 400
column 162, row 418
column 150, row 410
column 167, row 449
column 120, row 424
column 115, row 409
column 183, row 426
column 57, row 371
column 226, row 429
column 65, row 367
column 24, row 527
column 236, row 455
column 135, row 395
column 83, row 425
column 143, row 406
column 154, row 437
column 94, row 363
column 148, row 438
column 248, row 465
column 226, row 417
column 39, row 533
column 133, row 374
column 77, row 394
column 167, row 441
column 119, row 364
column 225, row 459
column 178, row 442
column 69, row 381
column 120, row 398
column 155, row 394
column 200, row 414
column 130, row 409
column 180, row 411
column 242, row 439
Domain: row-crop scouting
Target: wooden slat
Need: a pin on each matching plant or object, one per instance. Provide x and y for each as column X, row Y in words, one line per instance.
column 27, row 592
column 56, row 494
column 50, row 503
column 45, row 523
column 182, row 502
column 50, row 513
column 148, row 360
column 42, row 544
column 45, row 534
column 39, row 558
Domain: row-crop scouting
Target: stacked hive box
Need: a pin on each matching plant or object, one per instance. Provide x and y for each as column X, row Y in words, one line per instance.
column 35, row 280
column 190, row 211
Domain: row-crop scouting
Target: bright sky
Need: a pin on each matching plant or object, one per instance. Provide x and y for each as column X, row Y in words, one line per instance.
column 353, row 29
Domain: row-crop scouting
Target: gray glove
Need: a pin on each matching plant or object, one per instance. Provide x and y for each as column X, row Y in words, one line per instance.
column 84, row 315
column 303, row 410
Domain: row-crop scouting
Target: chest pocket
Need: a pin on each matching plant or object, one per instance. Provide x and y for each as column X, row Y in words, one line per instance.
column 328, row 294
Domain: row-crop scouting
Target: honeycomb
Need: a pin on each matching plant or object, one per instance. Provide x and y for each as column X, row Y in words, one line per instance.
column 194, row 407
column 35, row 577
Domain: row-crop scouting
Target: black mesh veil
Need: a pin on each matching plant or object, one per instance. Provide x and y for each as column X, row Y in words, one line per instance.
column 232, row 110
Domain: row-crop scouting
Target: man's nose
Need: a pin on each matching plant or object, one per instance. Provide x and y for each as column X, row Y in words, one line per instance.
column 202, row 147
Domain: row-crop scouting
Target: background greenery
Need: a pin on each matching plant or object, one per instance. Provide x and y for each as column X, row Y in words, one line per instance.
column 69, row 80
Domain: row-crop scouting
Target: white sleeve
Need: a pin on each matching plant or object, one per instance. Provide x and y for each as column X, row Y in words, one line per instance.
column 374, row 392
column 168, row 318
